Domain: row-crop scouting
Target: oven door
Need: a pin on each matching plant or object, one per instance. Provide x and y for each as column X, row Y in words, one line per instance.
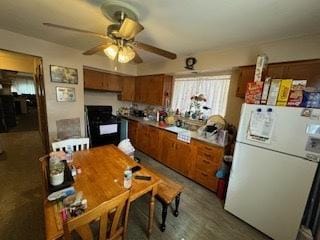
column 105, row 133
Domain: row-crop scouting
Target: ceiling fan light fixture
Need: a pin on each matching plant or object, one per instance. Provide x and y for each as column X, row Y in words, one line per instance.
column 111, row 51
column 126, row 54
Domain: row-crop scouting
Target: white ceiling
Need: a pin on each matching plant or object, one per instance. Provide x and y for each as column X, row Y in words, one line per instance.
column 181, row 26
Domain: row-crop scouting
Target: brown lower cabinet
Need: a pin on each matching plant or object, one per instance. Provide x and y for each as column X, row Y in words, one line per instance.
column 197, row 160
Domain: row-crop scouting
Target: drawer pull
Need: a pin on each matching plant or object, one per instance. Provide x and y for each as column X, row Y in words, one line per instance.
column 204, row 174
column 207, row 148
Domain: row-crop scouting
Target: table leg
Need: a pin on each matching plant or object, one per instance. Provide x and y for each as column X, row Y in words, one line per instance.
column 151, row 210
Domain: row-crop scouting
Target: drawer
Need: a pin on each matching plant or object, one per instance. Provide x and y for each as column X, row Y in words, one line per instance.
column 206, row 179
column 206, row 165
column 206, row 155
column 208, row 148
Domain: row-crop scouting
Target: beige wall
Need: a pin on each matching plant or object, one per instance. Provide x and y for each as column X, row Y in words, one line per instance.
column 283, row 50
column 59, row 55
column 104, row 98
column 234, row 103
column 307, row 47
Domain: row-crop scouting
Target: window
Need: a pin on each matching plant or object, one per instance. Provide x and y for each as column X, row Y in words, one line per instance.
column 214, row 88
column 23, row 86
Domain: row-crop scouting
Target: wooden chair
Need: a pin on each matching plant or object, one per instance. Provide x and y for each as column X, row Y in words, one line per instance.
column 109, row 215
column 44, row 161
column 168, row 191
column 77, row 144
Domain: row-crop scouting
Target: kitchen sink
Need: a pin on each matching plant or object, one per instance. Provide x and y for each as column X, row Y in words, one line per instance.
column 175, row 129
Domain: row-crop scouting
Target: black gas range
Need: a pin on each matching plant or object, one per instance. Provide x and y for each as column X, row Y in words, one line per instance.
column 102, row 127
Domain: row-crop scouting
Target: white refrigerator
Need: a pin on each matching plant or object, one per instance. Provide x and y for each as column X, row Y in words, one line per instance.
column 275, row 160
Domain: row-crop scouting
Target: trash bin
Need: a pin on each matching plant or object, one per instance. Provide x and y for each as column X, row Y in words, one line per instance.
column 223, row 177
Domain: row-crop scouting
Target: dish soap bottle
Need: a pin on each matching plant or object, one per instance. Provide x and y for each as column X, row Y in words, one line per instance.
column 127, row 181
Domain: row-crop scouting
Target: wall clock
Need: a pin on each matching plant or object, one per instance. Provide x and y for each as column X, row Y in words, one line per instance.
column 190, row 62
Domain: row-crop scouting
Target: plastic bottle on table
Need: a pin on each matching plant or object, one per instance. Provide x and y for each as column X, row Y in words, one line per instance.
column 69, row 153
column 127, row 181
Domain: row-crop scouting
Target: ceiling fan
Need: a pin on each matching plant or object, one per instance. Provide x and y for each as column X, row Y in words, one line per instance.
column 119, row 41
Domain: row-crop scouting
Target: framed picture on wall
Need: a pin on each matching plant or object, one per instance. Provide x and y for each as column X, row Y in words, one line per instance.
column 63, row 74
column 66, row 94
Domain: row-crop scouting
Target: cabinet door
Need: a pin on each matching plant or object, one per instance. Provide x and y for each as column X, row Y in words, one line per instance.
column 143, row 138
column 154, row 90
column 168, row 150
column 92, row 79
column 304, row 70
column 246, row 76
column 132, row 132
column 127, row 88
column 154, row 142
column 111, row 82
column 183, row 157
column 167, row 90
column 139, row 87
column 276, row 70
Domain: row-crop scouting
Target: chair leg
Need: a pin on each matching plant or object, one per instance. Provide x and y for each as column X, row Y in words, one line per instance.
column 176, row 212
column 164, row 216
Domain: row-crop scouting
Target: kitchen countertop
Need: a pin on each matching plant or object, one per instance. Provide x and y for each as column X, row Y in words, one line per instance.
column 172, row 128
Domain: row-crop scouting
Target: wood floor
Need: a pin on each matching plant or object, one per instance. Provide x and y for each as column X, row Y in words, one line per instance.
column 201, row 214
column 20, row 198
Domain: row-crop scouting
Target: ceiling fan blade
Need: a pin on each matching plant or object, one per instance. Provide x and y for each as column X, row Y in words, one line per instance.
column 129, row 29
column 96, row 49
column 155, row 50
column 137, row 58
column 76, row 30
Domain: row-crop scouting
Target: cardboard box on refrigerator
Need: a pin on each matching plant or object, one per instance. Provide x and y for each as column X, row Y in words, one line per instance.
column 296, row 93
column 253, row 93
column 273, row 92
column 265, row 91
column 284, row 91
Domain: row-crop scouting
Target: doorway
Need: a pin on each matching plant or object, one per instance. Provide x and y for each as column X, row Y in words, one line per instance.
column 22, row 95
column 18, row 102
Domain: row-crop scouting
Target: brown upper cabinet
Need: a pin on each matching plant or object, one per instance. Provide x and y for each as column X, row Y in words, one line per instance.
column 301, row 70
column 246, row 75
column 103, row 81
column 112, row 82
column 92, row 79
column 127, row 88
column 153, row 89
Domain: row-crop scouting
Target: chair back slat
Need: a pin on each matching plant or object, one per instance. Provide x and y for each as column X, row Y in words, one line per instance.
column 76, row 144
column 101, row 212
column 103, row 228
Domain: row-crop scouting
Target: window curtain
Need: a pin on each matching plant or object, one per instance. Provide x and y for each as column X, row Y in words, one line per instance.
column 23, row 86
column 214, row 88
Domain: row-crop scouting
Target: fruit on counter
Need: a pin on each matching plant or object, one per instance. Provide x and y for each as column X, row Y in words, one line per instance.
column 170, row 120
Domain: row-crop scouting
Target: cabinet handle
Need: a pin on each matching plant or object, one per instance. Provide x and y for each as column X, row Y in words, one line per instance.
column 204, row 174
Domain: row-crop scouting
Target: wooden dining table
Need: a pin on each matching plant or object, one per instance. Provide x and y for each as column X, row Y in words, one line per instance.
column 101, row 179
